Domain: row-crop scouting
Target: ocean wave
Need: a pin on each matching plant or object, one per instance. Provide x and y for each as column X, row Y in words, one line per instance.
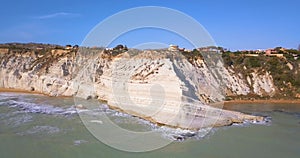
column 5, row 98
column 15, row 120
column 183, row 134
column 267, row 121
column 40, row 108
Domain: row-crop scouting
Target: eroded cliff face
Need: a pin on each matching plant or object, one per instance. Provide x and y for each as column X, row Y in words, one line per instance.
column 257, row 83
column 161, row 86
column 48, row 73
column 262, row 77
column 53, row 73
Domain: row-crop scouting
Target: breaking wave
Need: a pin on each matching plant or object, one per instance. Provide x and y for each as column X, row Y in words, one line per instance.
column 40, row 108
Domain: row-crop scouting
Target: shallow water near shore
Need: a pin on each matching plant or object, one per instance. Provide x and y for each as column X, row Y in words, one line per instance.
column 40, row 126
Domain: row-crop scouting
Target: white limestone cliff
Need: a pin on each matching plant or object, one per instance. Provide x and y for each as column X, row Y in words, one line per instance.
column 159, row 86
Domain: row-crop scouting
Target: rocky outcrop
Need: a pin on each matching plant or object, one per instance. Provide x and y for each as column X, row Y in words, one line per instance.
column 157, row 85
column 255, row 83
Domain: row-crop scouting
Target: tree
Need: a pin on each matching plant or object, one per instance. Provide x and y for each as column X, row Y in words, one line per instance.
column 278, row 49
column 299, row 47
column 119, row 47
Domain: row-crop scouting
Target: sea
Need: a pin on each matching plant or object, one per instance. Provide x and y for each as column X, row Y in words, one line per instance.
column 34, row 126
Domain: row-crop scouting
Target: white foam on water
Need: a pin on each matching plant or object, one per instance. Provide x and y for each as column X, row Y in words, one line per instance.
column 3, row 99
column 49, row 130
column 183, row 134
column 267, row 121
column 15, row 120
column 6, row 96
column 79, row 142
column 41, row 108
column 96, row 121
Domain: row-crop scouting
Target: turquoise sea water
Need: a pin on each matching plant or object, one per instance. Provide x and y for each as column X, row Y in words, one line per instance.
column 39, row 126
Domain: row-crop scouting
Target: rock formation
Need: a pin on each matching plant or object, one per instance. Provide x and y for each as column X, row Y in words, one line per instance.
column 157, row 85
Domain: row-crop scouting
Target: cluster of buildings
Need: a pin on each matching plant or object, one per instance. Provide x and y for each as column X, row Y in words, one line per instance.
column 276, row 52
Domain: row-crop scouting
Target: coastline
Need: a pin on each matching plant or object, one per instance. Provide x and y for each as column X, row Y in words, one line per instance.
column 226, row 103
column 11, row 90
column 260, row 101
column 19, row 91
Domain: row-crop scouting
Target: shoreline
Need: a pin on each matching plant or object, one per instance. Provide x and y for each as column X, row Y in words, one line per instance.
column 226, row 103
column 11, row 90
column 260, row 101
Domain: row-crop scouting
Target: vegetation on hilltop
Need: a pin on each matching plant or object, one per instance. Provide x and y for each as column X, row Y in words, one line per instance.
column 30, row 46
column 285, row 70
column 193, row 55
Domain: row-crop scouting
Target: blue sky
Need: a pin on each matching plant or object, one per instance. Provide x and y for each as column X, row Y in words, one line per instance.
column 234, row 24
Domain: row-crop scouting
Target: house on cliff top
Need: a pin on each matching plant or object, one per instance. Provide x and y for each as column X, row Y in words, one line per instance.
column 173, row 47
